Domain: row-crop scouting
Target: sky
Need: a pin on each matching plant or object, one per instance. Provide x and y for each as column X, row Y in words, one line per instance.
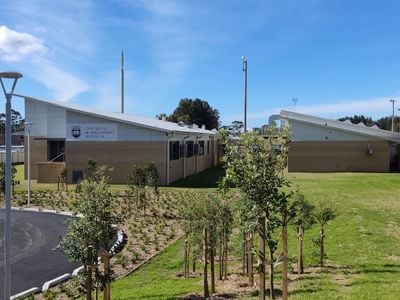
column 337, row 58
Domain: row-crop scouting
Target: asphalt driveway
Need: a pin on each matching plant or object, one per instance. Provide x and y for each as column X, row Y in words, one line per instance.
column 34, row 236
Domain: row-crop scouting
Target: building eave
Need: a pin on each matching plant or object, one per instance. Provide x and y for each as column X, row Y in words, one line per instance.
column 153, row 124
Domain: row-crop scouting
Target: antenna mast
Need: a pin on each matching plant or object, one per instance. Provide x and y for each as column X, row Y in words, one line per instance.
column 122, row 82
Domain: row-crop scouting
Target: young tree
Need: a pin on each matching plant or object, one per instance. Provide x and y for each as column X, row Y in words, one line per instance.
column 137, row 183
column 325, row 211
column 94, row 228
column 255, row 165
column 303, row 221
column 152, row 176
column 93, row 172
column 199, row 214
column 3, row 178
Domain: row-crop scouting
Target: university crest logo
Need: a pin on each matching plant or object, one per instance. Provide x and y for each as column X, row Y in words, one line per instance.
column 76, row 131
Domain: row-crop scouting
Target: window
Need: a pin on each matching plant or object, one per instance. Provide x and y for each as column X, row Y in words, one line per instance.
column 208, row 147
column 77, row 176
column 174, row 150
column 55, row 150
column 189, row 149
column 200, row 148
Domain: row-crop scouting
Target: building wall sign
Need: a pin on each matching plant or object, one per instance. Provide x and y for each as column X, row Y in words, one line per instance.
column 92, row 132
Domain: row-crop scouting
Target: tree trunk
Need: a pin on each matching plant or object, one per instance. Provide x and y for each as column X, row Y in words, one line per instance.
column 284, row 254
column 261, row 257
column 89, row 273
column 244, row 254
column 194, row 264
column 271, row 275
column 300, row 263
column 188, row 260
column 225, row 258
column 322, row 250
column 221, row 255
column 106, row 262
column 250, row 260
column 185, row 262
column 212, row 259
column 205, row 279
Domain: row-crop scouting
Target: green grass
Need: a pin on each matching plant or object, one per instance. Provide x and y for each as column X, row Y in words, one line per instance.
column 206, row 179
column 362, row 244
column 157, row 279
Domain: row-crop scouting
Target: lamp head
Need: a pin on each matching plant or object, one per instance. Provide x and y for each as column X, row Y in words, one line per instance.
column 10, row 75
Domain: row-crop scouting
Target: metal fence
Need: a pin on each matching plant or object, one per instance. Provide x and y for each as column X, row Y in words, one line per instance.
column 17, row 154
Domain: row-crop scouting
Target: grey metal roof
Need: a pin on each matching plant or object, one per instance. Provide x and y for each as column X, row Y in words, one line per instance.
column 159, row 125
column 361, row 129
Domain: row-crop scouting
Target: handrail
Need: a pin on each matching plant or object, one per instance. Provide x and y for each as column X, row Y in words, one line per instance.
column 57, row 157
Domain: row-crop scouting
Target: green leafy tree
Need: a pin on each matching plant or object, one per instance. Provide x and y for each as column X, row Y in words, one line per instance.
column 303, row 221
column 199, row 215
column 255, row 165
column 62, row 179
column 195, row 111
column 152, row 176
column 97, row 205
column 94, row 172
column 235, row 128
column 137, row 181
column 3, row 176
column 325, row 211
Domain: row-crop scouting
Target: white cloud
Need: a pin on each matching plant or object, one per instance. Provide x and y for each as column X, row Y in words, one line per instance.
column 30, row 55
column 16, row 46
column 349, row 107
column 63, row 85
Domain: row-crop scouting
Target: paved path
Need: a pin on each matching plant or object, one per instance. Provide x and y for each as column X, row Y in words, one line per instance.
column 34, row 235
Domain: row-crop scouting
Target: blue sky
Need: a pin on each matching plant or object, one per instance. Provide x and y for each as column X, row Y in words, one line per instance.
column 336, row 57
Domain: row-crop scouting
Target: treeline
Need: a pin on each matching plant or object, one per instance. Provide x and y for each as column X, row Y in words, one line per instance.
column 383, row 123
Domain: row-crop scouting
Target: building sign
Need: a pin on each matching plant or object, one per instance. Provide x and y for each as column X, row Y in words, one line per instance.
column 92, row 132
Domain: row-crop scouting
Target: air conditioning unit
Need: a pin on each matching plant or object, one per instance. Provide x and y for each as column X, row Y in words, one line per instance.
column 369, row 151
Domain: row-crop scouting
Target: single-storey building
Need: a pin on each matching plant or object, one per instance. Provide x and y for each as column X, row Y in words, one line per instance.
column 324, row 145
column 67, row 136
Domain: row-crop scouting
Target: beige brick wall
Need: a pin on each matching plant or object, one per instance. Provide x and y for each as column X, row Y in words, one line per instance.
column 203, row 162
column 38, row 154
column 338, row 156
column 48, row 172
column 175, row 169
column 120, row 156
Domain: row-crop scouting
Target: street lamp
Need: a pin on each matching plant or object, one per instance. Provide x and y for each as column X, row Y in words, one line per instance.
column 28, row 126
column 14, row 76
column 393, row 101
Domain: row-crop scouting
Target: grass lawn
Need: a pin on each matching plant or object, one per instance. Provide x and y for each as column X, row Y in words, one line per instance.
column 362, row 244
column 157, row 279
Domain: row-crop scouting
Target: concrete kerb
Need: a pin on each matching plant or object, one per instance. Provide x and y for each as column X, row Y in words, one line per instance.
column 25, row 293
column 55, row 281
column 52, row 282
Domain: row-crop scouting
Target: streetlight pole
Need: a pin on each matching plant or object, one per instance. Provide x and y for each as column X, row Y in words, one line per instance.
column 393, row 101
column 244, row 61
column 7, row 228
column 28, row 126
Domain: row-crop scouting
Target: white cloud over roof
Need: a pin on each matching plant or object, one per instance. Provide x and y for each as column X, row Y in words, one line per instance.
column 15, row 46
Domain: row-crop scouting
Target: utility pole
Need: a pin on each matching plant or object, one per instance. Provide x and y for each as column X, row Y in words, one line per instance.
column 393, row 101
column 122, row 82
column 244, row 67
column 294, row 100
